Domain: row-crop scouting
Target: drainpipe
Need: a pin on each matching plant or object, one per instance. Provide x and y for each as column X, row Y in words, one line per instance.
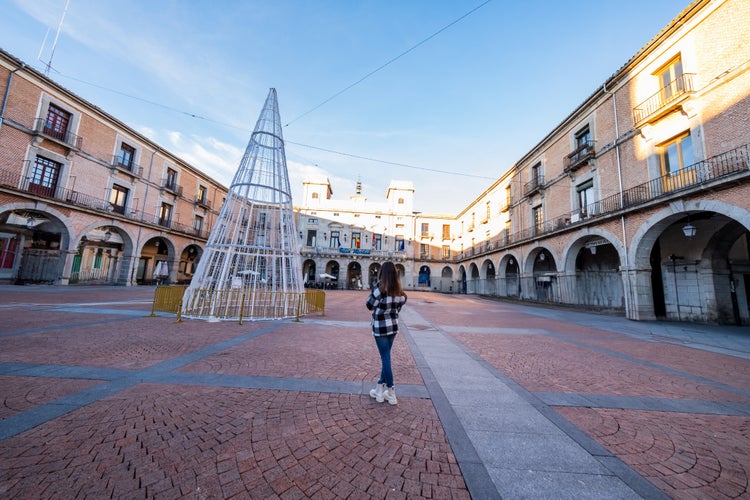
column 7, row 92
column 628, row 284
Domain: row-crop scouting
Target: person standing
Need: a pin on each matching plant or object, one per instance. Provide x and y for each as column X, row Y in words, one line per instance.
column 385, row 301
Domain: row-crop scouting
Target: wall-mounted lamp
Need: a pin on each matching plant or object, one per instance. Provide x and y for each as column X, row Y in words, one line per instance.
column 511, row 261
column 325, row 236
column 541, row 256
column 300, row 235
column 107, row 235
column 593, row 250
column 689, row 230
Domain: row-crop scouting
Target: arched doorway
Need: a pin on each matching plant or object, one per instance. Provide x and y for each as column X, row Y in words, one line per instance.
column 423, row 279
column 354, row 276
column 331, row 275
column 446, row 280
column 511, row 284
column 308, row 273
column 488, row 283
column 31, row 246
column 701, row 269
column 97, row 258
column 154, row 264
column 596, row 280
column 372, row 275
column 544, row 274
column 189, row 259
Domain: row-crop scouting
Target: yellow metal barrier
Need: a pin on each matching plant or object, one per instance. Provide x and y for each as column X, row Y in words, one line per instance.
column 251, row 304
column 168, row 299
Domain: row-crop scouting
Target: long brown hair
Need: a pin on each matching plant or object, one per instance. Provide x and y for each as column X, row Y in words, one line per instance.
column 389, row 282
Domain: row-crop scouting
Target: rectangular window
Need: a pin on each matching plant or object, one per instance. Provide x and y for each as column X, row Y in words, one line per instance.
column 676, row 154
column 446, row 251
column 536, row 174
column 118, row 198
column 44, row 176
column 165, row 214
column 400, row 244
column 585, row 193
column 583, row 139
column 670, row 80
column 57, row 122
column 356, row 240
column 312, row 220
column 335, row 242
column 487, row 212
column 198, row 224
column 425, row 230
column 424, row 251
column 446, row 231
column 170, row 182
column 537, row 217
column 377, row 241
column 126, row 157
column 312, row 236
column 202, row 194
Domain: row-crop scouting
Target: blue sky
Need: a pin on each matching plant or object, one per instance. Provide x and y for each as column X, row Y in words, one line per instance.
column 192, row 75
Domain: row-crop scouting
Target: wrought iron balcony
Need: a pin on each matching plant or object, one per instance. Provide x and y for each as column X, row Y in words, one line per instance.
column 65, row 137
column 203, row 203
column 725, row 167
column 127, row 166
column 533, row 185
column 667, row 99
column 171, row 185
column 579, row 157
column 12, row 180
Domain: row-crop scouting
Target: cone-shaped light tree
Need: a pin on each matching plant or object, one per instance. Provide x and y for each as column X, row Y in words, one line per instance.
column 253, row 245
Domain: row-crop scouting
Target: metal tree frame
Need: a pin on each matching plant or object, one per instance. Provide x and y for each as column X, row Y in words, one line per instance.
column 251, row 266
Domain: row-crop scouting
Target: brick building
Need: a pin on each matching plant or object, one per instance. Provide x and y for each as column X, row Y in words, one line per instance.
column 637, row 202
column 86, row 199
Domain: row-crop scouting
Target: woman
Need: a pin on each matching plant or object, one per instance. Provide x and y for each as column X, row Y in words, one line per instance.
column 385, row 301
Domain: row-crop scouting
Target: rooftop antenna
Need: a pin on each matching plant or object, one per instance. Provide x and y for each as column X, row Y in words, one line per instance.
column 48, row 64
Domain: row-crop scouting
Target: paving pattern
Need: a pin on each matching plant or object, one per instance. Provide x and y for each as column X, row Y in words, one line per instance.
column 100, row 400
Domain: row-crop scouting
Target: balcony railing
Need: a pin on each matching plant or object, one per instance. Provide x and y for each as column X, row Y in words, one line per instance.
column 579, row 157
column 203, row 202
column 665, row 100
column 127, row 166
column 533, row 185
column 171, row 185
column 693, row 177
column 46, row 128
column 13, row 180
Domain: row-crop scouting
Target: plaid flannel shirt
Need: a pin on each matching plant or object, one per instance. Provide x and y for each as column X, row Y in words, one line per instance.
column 385, row 311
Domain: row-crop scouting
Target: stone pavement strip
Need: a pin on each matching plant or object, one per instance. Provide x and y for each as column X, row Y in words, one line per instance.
column 496, row 400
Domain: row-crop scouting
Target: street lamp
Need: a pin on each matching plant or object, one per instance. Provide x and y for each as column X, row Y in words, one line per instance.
column 689, row 230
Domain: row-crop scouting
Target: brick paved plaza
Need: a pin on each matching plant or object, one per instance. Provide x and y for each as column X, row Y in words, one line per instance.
column 100, row 400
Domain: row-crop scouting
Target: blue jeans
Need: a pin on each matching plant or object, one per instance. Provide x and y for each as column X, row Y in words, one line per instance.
column 384, row 343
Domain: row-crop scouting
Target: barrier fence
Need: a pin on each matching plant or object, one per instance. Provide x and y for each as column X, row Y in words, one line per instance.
column 237, row 304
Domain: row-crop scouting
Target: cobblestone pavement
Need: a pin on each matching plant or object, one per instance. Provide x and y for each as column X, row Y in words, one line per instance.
column 100, row 400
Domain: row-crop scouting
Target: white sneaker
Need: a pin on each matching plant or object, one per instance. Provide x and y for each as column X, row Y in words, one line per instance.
column 378, row 393
column 390, row 395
